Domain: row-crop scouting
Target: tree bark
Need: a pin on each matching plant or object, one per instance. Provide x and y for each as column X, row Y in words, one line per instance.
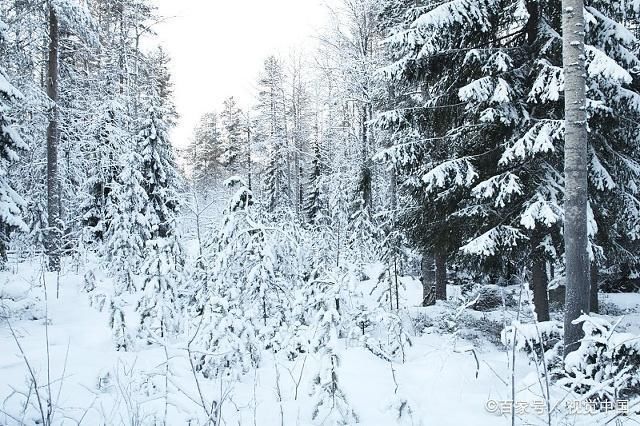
column 366, row 167
column 53, row 135
column 249, row 161
column 533, row 8
column 441, row 275
column 539, row 282
column 575, row 172
column 428, row 277
column 595, row 276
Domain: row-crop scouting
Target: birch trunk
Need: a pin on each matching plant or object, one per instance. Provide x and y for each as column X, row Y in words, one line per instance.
column 575, row 171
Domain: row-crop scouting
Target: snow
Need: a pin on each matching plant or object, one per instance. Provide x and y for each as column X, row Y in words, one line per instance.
column 486, row 89
column 7, row 89
column 540, row 138
column 601, row 65
column 549, row 83
column 542, row 211
column 277, row 313
column 457, row 11
column 502, row 187
column 102, row 384
column 599, row 174
column 457, row 173
column 440, row 380
column 489, row 242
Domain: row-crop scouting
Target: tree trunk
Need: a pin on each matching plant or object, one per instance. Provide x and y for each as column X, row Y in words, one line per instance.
column 428, row 278
column 3, row 253
column 366, row 169
column 595, row 276
column 539, row 282
column 249, row 165
column 53, row 135
column 441, row 276
column 575, row 172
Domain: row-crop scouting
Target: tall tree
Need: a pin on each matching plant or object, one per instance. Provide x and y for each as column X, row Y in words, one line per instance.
column 129, row 229
column 164, row 259
column 204, row 151
column 160, row 178
column 272, row 133
column 478, row 126
column 299, row 113
column 233, row 144
column 575, row 172
column 11, row 144
column 53, row 137
column 352, row 42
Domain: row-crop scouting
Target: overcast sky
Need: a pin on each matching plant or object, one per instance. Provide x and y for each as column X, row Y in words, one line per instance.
column 218, row 48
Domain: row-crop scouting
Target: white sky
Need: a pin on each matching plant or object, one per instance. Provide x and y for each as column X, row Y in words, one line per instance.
column 218, row 48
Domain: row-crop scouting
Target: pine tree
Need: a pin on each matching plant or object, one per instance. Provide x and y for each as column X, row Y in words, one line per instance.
column 272, row 132
column 11, row 144
column 204, row 152
column 118, row 325
column 160, row 178
column 246, row 276
column 329, row 399
column 28, row 174
column 233, row 141
column 231, row 318
column 313, row 205
column 111, row 139
column 483, row 123
column 129, row 228
column 164, row 258
column 159, row 306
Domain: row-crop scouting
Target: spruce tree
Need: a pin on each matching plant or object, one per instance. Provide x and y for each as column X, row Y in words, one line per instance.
column 204, row 152
column 110, row 139
column 159, row 306
column 160, row 177
column 480, row 105
column 11, row 144
column 233, row 143
column 129, row 228
column 272, row 133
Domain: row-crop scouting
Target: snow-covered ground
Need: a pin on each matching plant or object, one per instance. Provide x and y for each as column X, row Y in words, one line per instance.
column 67, row 343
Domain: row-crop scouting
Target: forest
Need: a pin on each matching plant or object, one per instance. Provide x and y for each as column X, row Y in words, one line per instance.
column 427, row 215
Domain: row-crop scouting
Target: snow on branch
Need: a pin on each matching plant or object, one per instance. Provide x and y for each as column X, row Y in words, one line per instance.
column 453, row 173
column 601, row 65
column 501, row 187
column 549, row 83
column 599, row 175
column 541, row 210
column 492, row 241
column 539, row 138
column 611, row 29
column 462, row 12
column 487, row 89
column 77, row 19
